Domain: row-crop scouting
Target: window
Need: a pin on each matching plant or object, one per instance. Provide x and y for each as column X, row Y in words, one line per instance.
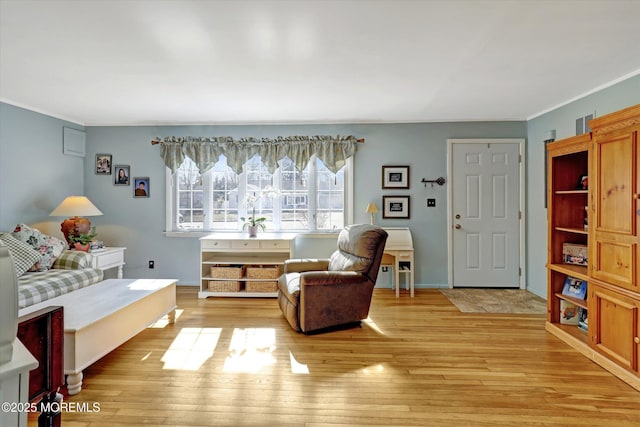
column 290, row 200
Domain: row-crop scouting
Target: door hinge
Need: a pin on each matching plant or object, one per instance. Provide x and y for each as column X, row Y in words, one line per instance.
column 519, row 271
column 519, row 214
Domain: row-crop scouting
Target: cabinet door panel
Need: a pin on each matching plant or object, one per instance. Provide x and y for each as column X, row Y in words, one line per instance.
column 613, row 321
column 614, row 242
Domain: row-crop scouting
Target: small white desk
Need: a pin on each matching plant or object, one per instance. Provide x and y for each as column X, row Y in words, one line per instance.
column 109, row 258
column 398, row 254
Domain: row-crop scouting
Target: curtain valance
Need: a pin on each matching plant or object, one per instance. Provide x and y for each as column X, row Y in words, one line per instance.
column 206, row 151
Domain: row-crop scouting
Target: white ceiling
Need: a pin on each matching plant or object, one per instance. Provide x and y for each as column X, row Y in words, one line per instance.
column 213, row 62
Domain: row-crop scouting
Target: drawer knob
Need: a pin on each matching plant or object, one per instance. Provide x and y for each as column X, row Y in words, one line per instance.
column 636, row 340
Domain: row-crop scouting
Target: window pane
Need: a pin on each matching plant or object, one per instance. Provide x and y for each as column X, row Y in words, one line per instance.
column 285, row 197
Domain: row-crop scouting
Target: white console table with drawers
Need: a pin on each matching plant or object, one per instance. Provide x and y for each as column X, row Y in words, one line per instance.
column 238, row 249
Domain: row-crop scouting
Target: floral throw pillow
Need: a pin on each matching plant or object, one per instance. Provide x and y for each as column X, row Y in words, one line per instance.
column 48, row 247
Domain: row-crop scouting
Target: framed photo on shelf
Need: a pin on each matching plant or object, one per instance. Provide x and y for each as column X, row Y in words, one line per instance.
column 121, row 175
column 141, row 187
column 396, row 177
column 396, row 207
column 103, row 164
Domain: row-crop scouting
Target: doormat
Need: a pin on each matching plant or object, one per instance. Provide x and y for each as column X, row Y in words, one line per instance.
column 517, row 301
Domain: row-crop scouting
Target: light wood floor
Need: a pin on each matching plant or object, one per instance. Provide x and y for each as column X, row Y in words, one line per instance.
column 418, row 362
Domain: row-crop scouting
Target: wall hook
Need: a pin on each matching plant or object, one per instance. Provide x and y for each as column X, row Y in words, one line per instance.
column 439, row 181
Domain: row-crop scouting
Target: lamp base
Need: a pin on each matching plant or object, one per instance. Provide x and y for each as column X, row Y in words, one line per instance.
column 77, row 225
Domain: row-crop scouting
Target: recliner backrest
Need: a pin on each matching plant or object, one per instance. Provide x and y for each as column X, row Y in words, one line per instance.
column 359, row 247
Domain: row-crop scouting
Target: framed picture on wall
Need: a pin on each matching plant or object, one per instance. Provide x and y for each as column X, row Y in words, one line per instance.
column 395, row 177
column 121, row 175
column 103, row 164
column 396, row 207
column 141, row 187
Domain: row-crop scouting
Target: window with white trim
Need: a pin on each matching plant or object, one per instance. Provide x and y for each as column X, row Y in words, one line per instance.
column 314, row 199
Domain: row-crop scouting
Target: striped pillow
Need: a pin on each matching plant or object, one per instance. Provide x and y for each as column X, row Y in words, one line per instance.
column 24, row 256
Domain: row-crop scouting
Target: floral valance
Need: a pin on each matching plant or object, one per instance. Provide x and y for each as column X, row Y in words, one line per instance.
column 206, row 151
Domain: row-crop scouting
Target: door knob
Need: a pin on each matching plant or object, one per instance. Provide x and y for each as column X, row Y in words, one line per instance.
column 458, row 226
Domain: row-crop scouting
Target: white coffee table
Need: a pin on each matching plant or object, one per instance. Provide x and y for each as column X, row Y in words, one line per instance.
column 101, row 317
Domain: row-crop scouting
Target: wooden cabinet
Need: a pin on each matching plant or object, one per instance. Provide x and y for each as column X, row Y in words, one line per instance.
column 235, row 256
column 612, row 154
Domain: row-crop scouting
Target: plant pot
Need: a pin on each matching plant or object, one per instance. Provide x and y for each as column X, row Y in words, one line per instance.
column 80, row 247
column 253, row 230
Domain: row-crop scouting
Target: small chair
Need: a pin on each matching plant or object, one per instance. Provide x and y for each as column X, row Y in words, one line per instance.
column 315, row 294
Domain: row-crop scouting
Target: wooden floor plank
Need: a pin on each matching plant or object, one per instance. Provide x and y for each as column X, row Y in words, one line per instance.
column 415, row 362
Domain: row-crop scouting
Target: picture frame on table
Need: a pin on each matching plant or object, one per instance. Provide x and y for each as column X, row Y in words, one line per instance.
column 395, row 177
column 141, row 187
column 398, row 207
column 121, row 175
column 103, row 164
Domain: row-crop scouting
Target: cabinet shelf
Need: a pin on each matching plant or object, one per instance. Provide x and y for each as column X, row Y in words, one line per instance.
column 577, row 301
column 577, row 271
column 573, row 230
column 571, row 192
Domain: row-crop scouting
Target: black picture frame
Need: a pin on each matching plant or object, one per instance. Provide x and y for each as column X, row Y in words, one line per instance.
column 395, row 177
column 103, row 164
column 118, row 179
column 141, row 187
column 396, row 207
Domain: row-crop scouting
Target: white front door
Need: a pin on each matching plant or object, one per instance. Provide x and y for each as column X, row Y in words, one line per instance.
column 484, row 209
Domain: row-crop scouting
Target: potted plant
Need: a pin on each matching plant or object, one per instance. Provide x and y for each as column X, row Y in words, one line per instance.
column 252, row 224
column 82, row 241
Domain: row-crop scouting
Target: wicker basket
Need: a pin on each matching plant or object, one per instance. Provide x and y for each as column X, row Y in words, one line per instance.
column 269, row 272
column 227, row 272
column 225, row 285
column 270, row 286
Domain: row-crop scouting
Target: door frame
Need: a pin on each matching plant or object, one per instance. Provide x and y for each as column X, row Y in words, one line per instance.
column 521, row 202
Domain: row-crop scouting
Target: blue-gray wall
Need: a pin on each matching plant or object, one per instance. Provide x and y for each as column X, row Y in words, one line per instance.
column 35, row 176
column 138, row 224
column 562, row 120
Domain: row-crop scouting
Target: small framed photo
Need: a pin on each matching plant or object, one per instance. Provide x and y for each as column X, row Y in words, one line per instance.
column 395, row 177
column 121, row 175
column 141, row 186
column 103, row 164
column 396, row 207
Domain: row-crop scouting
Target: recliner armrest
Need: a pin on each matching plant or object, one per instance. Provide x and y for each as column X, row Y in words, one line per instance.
column 306, row 264
column 330, row 278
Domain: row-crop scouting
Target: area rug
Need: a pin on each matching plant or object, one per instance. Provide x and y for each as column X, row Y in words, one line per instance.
column 517, row 301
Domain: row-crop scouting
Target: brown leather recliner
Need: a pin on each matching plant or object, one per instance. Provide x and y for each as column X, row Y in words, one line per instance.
column 315, row 294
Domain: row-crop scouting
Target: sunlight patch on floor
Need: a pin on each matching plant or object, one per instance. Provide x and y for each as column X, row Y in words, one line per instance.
column 164, row 320
column 369, row 322
column 191, row 348
column 297, row 367
column 251, row 350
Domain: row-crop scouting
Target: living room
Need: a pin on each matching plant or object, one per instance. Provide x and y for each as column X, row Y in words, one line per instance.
column 36, row 176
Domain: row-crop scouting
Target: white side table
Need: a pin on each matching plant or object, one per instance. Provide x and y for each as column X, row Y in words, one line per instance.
column 109, row 258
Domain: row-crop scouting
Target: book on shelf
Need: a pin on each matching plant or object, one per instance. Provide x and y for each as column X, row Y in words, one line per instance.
column 568, row 313
column 583, row 319
column 573, row 287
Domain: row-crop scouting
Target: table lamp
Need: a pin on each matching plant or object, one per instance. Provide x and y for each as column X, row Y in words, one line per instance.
column 76, row 207
column 371, row 209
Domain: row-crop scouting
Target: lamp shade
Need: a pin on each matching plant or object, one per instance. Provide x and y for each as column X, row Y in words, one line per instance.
column 371, row 208
column 76, row 206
